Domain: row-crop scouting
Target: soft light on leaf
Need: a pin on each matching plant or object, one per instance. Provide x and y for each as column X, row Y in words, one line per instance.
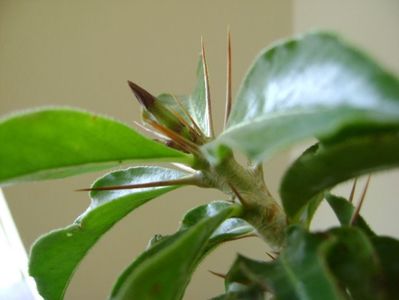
column 55, row 256
column 56, row 142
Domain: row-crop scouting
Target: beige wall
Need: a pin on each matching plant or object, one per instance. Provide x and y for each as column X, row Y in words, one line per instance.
column 372, row 25
column 80, row 53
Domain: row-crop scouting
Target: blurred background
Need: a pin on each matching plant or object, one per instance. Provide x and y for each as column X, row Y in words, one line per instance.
column 80, row 53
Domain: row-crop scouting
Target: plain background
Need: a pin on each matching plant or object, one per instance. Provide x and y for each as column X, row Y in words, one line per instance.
column 80, row 53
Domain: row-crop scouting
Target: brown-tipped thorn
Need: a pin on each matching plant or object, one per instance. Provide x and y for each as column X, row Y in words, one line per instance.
column 352, row 194
column 144, row 97
column 188, row 115
column 183, row 121
column 207, row 91
column 242, row 200
column 271, row 256
column 178, row 139
column 228, row 80
column 155, row 133
column 218, row 274
column 190, row 180
column 360, row 204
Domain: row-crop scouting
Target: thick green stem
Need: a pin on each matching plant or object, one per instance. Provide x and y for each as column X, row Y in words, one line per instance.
column 260, row 209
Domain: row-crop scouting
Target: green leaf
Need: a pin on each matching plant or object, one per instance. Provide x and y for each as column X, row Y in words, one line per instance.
column 230, row 229
column 355, row 264
column 164, row 270
column 55, row 256
column 342, row 263
column 388, row 253
column 324, row 166
column 344, row 210
column 58, row 142
column 195, row 104
column 307, row 213
column 312, row 86
column 300, row 272
column 247, row 293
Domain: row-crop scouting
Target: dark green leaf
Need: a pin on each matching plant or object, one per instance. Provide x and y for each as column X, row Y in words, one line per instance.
column 55, row 142
column 55, row 256
column 229, row 230
column 164, row 270
column 324, row 166
column 355, row 264
column 388, row 254
column 312, row 86
column 344, row 210
column 300, row 272
column 306, row 214
column 342, row 261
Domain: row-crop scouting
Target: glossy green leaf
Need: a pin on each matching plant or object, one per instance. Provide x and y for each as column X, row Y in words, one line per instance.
column 342, row 263
column 312, row 86
column 230, row 229
column 195, row 104
column 58, row 142
column 324, row 166
column 55, row 256
column 164, row 270
column 344, row 210
column 300, row 272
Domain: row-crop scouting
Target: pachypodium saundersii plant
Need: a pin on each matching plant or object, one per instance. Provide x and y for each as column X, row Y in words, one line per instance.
column 315, row 85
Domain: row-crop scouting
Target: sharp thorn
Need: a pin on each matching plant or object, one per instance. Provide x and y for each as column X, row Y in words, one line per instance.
column 271, row 256
column 242, row 200
column 218, row 274
column 195, row 125
column 144, row 97
column 352, row 194
column 228, row 80
column 360, row 204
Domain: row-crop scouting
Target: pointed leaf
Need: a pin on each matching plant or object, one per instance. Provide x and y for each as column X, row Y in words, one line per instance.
column 229, row 230
column 197, row 104
column 58, row 142
column 55, row 256
column 300, row 272
column 324, row 166
column 344, row 210
column 164, row 270
column 312, row 86
column 345, row 260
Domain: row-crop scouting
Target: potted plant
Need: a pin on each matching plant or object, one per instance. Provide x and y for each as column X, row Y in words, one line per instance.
column 315, row 85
